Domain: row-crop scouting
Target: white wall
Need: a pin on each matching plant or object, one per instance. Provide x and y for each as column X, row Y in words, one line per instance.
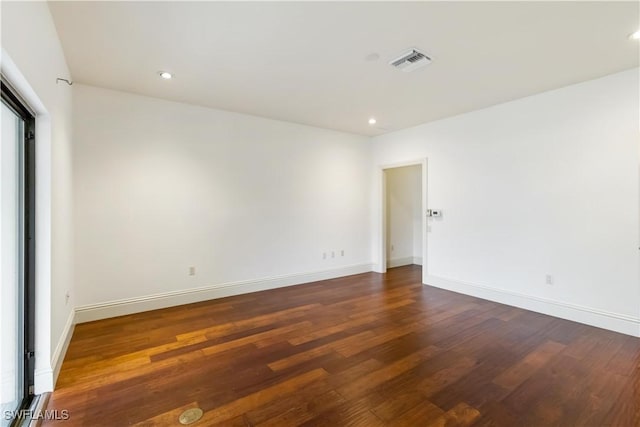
column 404, row 220
column 32, row 59
column 162, row 186
column 547, row 184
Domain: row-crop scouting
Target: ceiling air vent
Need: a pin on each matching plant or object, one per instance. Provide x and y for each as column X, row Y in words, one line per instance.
column 411, row 60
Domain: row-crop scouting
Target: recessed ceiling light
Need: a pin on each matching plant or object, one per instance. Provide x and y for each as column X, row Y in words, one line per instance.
column 372, row 121
column 635, row 36
column 165, row 75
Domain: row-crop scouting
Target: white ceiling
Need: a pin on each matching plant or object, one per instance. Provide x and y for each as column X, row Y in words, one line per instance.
column 305, row 62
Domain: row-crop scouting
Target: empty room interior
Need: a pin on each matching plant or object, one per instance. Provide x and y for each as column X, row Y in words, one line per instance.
column 320, row 213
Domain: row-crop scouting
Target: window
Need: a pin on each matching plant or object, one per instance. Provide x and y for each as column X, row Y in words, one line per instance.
column 17, row 255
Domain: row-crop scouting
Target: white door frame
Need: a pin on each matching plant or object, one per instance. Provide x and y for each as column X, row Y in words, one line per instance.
column 44, row 372
column 382, row 223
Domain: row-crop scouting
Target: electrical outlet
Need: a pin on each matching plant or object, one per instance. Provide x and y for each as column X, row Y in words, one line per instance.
column 548, row 279
column 192, row 271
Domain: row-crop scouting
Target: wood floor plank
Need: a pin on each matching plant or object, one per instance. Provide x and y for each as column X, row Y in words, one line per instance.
column 166, row 418
column 397, row 405
column 254, row 400
column 251, row 322
column 369, row 381
column 306, row 398
column 419, row 415
column 455, row 369
column 321, row 350
column 519, row 372
column 460, row 415
column 354, row 413
column 381, row 336
column 331, row 330
column 304, row 411
column 366, row 350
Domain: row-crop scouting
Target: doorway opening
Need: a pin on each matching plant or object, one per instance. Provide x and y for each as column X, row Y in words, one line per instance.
column 404, row 227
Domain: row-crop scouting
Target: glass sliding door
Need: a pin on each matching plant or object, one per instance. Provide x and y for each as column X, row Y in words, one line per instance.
column 17, row 242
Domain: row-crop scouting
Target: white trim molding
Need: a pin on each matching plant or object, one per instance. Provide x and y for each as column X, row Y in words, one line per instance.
column 624, row 324
column 381, row 221
column 399, row 262
column 63, row 345
column 43, row 375
column 88, row 313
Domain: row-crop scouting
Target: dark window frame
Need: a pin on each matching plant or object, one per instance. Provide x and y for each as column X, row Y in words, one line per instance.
column 13, row 101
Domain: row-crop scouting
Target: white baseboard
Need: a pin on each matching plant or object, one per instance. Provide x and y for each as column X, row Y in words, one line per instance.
column 88, row 313
column 602, row 319
column 63, row 345
column 399, row 262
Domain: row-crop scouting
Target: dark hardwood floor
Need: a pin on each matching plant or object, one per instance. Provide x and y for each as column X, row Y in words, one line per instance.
column 366, row 350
